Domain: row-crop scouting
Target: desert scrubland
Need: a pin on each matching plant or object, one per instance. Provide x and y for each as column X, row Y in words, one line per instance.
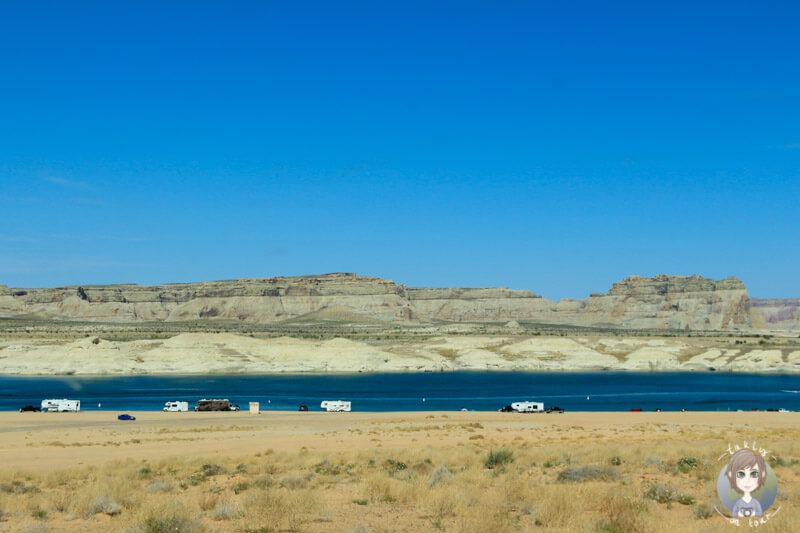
column 386, row 472
column 315, row 472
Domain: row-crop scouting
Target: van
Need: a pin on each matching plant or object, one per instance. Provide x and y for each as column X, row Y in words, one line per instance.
column 176, row 406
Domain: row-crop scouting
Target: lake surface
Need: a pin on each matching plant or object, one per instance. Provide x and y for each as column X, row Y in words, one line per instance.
column 441, row 391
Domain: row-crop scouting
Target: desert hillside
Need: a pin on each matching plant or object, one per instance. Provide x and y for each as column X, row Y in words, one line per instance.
column 213, row 353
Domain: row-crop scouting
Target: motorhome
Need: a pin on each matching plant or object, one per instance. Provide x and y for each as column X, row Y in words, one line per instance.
column 528, row 407
column 215, row 405
column 335, row 406
column 176, row 406
column 61, row 406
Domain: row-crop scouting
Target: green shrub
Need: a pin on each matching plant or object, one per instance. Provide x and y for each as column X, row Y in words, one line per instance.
column 686, row 464
column 498, row 458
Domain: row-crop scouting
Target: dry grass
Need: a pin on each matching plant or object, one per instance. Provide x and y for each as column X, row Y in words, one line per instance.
column 639, row 478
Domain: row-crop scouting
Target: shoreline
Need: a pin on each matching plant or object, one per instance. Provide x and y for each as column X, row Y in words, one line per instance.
column 39, row 441
column 242, row 373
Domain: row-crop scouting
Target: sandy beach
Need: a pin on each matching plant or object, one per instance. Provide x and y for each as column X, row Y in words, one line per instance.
column 377, row 471
column 53, row 440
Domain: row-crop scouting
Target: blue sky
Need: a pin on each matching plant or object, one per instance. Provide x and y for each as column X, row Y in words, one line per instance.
column 551, row 146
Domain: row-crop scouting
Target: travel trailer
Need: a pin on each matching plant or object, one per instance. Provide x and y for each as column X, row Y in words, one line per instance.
column 337, row 406
column 215, row 405
column 61, row 406
column 528, row 407
column 176, row 406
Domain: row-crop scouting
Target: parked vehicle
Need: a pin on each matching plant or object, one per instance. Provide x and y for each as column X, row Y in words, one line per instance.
column 176, row 406
column 61, row 406
column 528, row 407
column 126, row 417
column 215, row 405
column 30, row 409
column 636, row 410
column 335, row 406
column 554, row 410
column 303, row 408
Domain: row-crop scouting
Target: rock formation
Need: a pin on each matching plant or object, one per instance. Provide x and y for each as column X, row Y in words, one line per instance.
column 661, row 302
column 215, row 353
column 781, row 314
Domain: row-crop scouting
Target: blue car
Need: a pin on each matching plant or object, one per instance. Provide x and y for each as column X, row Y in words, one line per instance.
column 126, row 417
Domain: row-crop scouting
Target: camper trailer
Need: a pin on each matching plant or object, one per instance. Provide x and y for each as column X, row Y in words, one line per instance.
column 528, row 407
column 215, row 405
column 61, row 406
column 176, row 406
column 337, row 406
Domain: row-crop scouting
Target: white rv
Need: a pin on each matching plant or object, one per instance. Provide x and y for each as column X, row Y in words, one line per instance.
column 61, row 406
column 335, row 406
column 528, row 407
column 176, row 406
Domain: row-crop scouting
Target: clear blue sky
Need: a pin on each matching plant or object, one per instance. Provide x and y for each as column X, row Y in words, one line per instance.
column 556, row 147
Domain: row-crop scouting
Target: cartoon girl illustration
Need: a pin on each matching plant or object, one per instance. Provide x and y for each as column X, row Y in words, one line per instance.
column 746, row 473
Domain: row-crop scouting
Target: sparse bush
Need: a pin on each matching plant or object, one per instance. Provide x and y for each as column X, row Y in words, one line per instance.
column 106, row 504
column 395, row 466
column 225, row 511
column 293, row 482
column 170, row 524
column 666, row 494
column 498, row 458
column 703, row 511
column 18, row 487
column 263, row 482
column 652, row 460
column 624, row 512
column 587, row 473
column 159, row 486
column 616, row 461
column 212, row 470
column 685, row 464
column 440, row 476
column 208, row 502
column 661, row 493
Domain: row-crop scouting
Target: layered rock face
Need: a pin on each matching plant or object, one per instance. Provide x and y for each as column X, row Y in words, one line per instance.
column 662, row 302
column 776, row 313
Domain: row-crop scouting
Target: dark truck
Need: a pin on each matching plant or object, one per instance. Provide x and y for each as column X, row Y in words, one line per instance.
column 215, row 405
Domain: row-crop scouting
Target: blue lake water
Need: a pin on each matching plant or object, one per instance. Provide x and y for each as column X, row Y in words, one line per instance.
column 446, row 391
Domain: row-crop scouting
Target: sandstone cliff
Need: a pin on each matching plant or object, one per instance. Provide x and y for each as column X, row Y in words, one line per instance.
column 783, row 314
column 662, row 302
